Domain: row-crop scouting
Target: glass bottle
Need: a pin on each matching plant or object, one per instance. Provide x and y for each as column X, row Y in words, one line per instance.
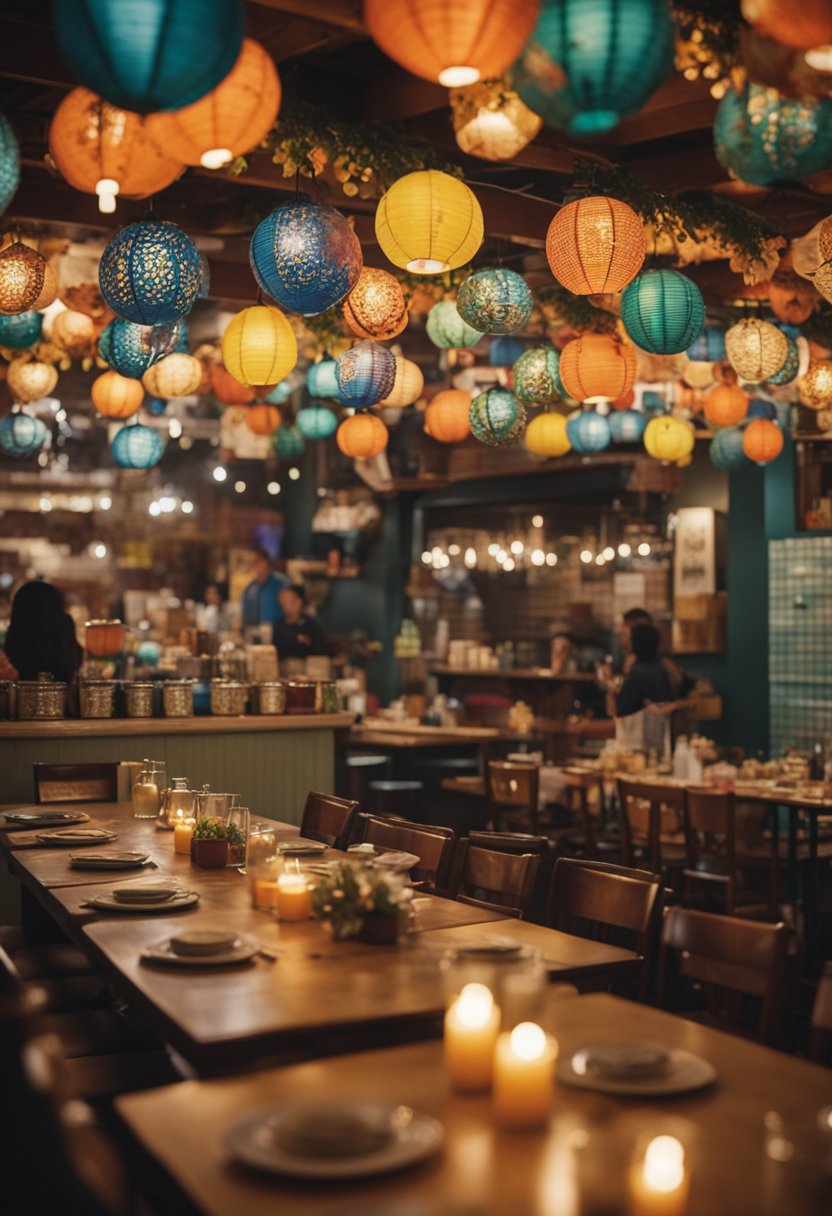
column 146, row 795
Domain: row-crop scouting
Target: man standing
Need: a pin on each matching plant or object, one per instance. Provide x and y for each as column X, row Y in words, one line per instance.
column 260, row 598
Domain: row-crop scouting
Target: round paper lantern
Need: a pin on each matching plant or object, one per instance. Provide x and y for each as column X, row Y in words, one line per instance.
column 800, row 27
column 229, row 391
column 30, row 380
column 726, row 405
column 447, row 330
column 9, row 163
column 496, row 301
column 155, row 406
column 790, row 368
column 626, row 426
column 504, row 352
column 175, row 375
column 491, row 122
column 101, row 149
column 74, row 332
column 447, row 418
column 235, row 117
column 756, row 349
column 362, row 436
column 708, row 346
column 131, row 349
column 536, row 376
column 137, row 447
column 305, row 256
column 546, row 436
column 365, row 374
column 21, row 329
column 149, row 272
column 792, row 299
column 698, row 375
column 497, row 417
column 407, row 386
column 596, row 367
column 625, row 400
column 316, row 422
column 288, row 442
column 429, row 222
column 757, row 408
column 259, row 346
column 263, row 419
column 280, row 394
column 456, row 42
column 589, row 62
column 376, row 307
column 725, row 449
column 149, row 55
column 49, row 291
column 763, row 137
column 762, row 441
column 815, row 388
column 662, row 311
column 22, row 274
column 595, row 245
column 668, row 439
column 21, row 435
column 321, row 380
column 116, row 396
column 588, row 432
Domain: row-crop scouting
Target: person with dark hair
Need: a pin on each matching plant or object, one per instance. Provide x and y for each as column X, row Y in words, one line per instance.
column 260, row 598
column 647, row 682
column 298, row 634
column 41, row 634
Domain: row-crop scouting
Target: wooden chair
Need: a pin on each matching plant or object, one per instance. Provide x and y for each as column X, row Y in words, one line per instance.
column 723, row 959
column 75, row 783
column 512, row 790
column 713, row 856
column 510, row 842
column 328, row 819
column 432, row 845
column 651, row 819
column 585, row 799
column 494, row 879
column 820, row 1038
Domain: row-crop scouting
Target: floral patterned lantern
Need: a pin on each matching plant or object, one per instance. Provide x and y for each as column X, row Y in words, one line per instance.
column 376, row 307
column 149, row 272
column 497, row 417
column 547, row 437
column 366, row 374
column 595, row 245
column 790, row 368
column 22, row 273
column 131, row 349
column 663, row 311
column 495, row 301
column 536, row 376
column 447, row 418
column 763, row 137
column 447, row 330
column 588, row 432
column 21, row 435
column 756, row 349
column 362, row 436
column 29, row 380
column 137, row 447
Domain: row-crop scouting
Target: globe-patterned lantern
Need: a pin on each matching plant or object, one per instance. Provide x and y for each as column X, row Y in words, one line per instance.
column 305, row 256
column 595, row 245
column 137, row 447
column 280, row 394
column 762, row 441
column 726, row 405
column 362, row 436
column 448, row 416
column 366, row 374
column 149, row 55
column 447, row 330
column 149, row 273
column 21, row 435
column 815, row 388
column 790, row 368
column 668, row 439
column 547, row 437
column 316, row 422
column 9, row 163
column 662, row 311
column 588, row 64
column 763, row 137
column 429, row 222
column 496, row 301
column 407, row 387
column 175, row 375
column 596, row 367
column 725, row 449
column 497, row 418
column 131, row 349
column 259, row 346
column 20, row 330
column 756, row 349
column 708, row 346
column 116, row 396
column 22, row 274
column 288, row 442
column 321, row 380
column 505, row 351
column 626, row 426
column 536, row 376
column 588, row 432
column 29, row 380
column 376, row 307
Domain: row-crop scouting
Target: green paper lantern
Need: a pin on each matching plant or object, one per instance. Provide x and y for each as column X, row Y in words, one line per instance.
column 447, row 330
column 662, row 311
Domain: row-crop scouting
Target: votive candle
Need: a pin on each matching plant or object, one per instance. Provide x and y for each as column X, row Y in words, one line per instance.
column 659, row 1183
column 265, row 893
column 472, row 1023
column 524, row 1076
column 294, row 899
column 183, row 831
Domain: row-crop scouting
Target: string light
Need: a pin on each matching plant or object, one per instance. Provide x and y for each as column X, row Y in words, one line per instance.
column 219, row 473
column 273, row 487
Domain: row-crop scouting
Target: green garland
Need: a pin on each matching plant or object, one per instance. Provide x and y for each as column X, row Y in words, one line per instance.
column 561, row 308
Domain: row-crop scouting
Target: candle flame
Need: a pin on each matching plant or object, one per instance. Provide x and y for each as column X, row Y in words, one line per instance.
column 664, row 1164
column 528, row 1041
column 474, row 1005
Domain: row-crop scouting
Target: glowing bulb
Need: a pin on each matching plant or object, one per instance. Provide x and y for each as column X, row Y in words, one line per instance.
column 517, row 547
column 551, row 559
column 528, row 1041
column 154, row 509
column 273, row 487
column 436, row 553
column 240, row 487
column 538, row 557
column 501, row 556
column 45, row 504
column 106, row 188
column 215, row 158
column 294, row 474
column 586, row 556
column 187, row 507
column 819, row 57
column 470, row 558
column 219, row 473
column 458, row 75
column 167, row 504
column 474, row 1005
column 537, row 521
column 643, row 549
column 508, row 565
column 105, row 502
column 186, row 443
column 60, row 416
column 664, row 1165
column 624, row 550
column 175, row 428
column 454, row 550
column 609, row 553
column 493, row 550
column 427, row 557
column 100, row 551
column 600, row 560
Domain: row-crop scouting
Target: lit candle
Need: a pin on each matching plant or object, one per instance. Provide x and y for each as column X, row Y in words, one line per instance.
column 524, row 1076
column 183, row 831
column 293, row 899
column 659, row 1183
column 265, row 893
column 472, row 1024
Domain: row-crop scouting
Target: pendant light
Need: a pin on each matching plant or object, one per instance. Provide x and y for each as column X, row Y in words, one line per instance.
column 595, row 245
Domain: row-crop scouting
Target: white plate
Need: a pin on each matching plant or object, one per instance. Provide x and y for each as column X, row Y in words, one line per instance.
column 251, row 1141
column 245, row 949
column 685, row 1072
column 106, row 903
column 396, row 860
column 107, row 861
column 77, row 836
column 296, row 848
column 44, row 819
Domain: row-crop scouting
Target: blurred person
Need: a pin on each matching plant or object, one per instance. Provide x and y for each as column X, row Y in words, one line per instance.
column 212, row 614
column 298, row 634
column 260, row 598
column 647, row 682
column 41, row 635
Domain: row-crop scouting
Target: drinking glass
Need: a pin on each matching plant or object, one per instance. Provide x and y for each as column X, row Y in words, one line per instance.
column 237, row 823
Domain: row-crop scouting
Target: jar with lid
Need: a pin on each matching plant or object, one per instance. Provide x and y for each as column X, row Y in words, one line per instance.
column 178, row 698
column 300, row 697
column 42, row 699
column 138, row 698
column 97, row 698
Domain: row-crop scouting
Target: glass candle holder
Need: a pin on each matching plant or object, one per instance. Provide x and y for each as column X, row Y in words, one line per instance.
column 183, row 832
column 263, row 876
column 515, row 975
column 237, row 824
column 294, row 896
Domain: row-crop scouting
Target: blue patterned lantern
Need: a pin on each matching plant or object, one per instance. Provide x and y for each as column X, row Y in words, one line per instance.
column 9, row 163
column 155, row 406
column 758, row 408
column 149, row 55
column 588, row 432
column 496, row 301
column 365, row 374
column 626, row 426
column 130, row 349
column 288, row 443
column 305, row 256
column 791, row 367
column 504, row 352
column 280, row 394
column 321, row 380
column 149, row 273
column 726, row 451
column 763, row 137
column 536, row 376
column 137, row 447
column 662, row 311
column 21, row 435
column 590, row 62
column 316, row 422
column 447, row 330
column 709, row 346
column 21, row 329
column 497, row 418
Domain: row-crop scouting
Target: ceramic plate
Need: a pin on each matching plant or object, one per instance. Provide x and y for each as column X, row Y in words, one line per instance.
column 44, row 819
column 296, row 848
column 106, row 903
column 415, row 1137
column 107, row 861
column 245, row 949
column 77, row 836
column 685, row 1072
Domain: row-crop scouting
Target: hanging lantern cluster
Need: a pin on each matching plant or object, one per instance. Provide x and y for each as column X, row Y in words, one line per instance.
column 497, row 418
column 762, row 441
column 627, row 426
column 227, row 390
column 726, row 450
column 116, row 396
column 20, row 330
column 815, row 388
column 726, row 405
column 596, row 367
column 662, row 311
column 756, row 349
column 491, row 122
column 137, row 447
column 321, row 380
column 447, row 418
column 9, row 163
column 22, row 275
column 763, row 137
column 150, row 272
column 305, row 256
column 376, row 307
column 447, row 329
column 669, row 439
column 29, row 380
column 259, row 346
column 316, row 422
column 495, row 301
column 131, row 349
column 536, row 376
column 407, row 386
column 547, row 436
column 366, row 374
column 21, row 435
column 588, row 432
column 176, row 375
column 362, row 436
column 429, row 222
column 595, row 245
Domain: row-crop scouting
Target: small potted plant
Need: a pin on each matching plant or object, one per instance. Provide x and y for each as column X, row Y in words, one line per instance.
column 357, row 901
column 209, row 843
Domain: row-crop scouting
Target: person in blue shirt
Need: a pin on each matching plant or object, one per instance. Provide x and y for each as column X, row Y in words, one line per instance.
column 260, row 598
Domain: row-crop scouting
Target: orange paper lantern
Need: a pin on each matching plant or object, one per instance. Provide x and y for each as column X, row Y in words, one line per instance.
column 362, row 436
column 227, row 390
column 595, row 245
column 762, row 440
column 116, row 396
column 376, row 307
column 596, row 367
column 803, row 25
column 263, row 419
column 726, row 405
column 448, row 417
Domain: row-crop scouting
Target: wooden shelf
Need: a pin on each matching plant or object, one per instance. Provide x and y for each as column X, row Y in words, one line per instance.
column 105, row 728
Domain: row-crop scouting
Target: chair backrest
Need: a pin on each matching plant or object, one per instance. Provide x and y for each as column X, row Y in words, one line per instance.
column 602, row 902
column 328, row 819
column 513, row 786
column 76, row 782
column 726, row 955
column 584, row 796
column 710, row 838
column 610, row 867
column 510, row 842
column 432, row 845
column 820, row 1040
column 646, row 811
column 494, row 879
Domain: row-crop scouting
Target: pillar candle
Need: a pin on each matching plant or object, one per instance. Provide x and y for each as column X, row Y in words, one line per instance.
column 472, row 1024
column 182, row 835
column 294, row 899
column 524, row 1076
column 659, row 1183
column 265, row 893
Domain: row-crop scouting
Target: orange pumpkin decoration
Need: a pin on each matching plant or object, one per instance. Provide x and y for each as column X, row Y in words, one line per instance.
column 726, row 405
column 116, row 396
column 447, row 418
column 263, row 419
column 762, row 441
column 362, row 436
column 227, row 389
column 596, row 367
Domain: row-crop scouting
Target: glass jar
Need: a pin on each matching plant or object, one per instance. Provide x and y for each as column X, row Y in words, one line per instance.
column 41, row 700
column 178, row 698
column 268, row 697
column 515, row 975
column 228, row 697
column 263, row 874
column 177, row 804
column 147, row 793
column 300, row 697
column 97, row 698
column 138, row 698
column 237, row 825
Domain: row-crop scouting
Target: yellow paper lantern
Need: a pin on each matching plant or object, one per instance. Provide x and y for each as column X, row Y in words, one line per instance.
column 595, row 245
column 491, row 122
column 762, row 440
column 177, row 375
column 448, row 417
column 429, row 222
column 596, row 367
column 29, row 380
column 22, row 274
column 376, row 307
column 408, row 385
column 362, row 436
column 815, row 388
column 546, row 436
column 233, row 118
column 49, row 291
column 116, row 396
column 259, row 347
column 74, row 332
column 263, row 419
column 668, row 439
column 756, row 349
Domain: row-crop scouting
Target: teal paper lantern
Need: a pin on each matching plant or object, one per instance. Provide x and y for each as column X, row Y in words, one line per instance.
column 626, row 426
column 21, row 434
column 791, row 367
column 9, row 163
column 321, row 380
column 149, row 273
column 758, row 408
column 280, row 394
column 496, row 301
column 536, row 376
column 709, row 346
column 447, row 330
column 19, row 330
column 725, row 449
column 588, row 432
column 497, row 417
column 137, row 447
column 155, row 406
column 130, row 349
column 148, row 55
column 763, row 137
column 653, row 402
column 288, row 442
column 305, row 256
column 663, row 312
column 590, row 62
column 365, row 374
column 504, row 352
column 316, row 422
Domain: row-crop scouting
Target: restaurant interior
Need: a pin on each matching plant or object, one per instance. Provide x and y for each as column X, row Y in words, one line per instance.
column 416, row 432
